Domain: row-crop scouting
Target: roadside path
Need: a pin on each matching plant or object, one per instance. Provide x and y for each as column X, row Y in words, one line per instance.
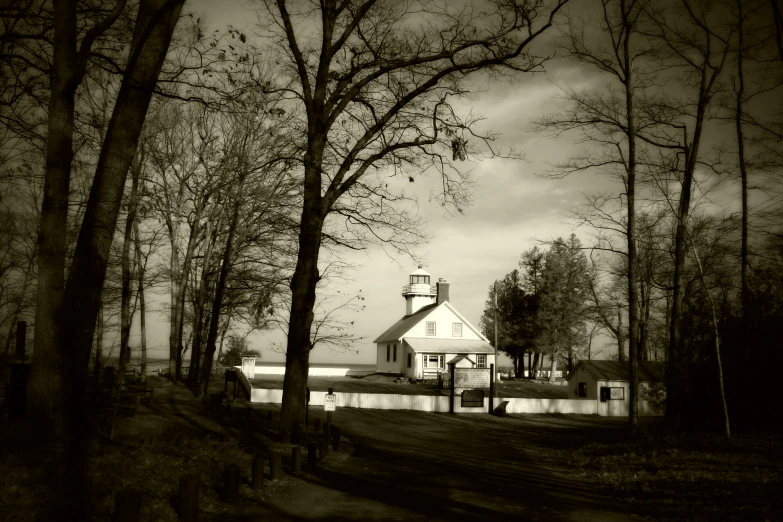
column 424, row 466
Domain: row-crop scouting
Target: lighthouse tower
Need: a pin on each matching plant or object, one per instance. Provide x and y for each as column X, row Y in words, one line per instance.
column 418, row 293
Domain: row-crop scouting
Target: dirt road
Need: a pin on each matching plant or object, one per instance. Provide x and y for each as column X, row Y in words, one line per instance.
column 426, row 466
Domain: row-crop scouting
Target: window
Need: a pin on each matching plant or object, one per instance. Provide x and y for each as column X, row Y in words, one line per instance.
column 582, row 389
column 456, row 329
column 409, row 360
column 481, row 361
column 430, row 327
column 388, row 352
column 432, row 361
column 420, row 280
column 395, row 353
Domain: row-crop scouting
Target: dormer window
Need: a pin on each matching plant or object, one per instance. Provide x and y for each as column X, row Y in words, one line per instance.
column 420, row 279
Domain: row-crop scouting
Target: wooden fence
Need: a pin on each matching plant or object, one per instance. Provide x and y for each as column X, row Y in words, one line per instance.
column 387, row 401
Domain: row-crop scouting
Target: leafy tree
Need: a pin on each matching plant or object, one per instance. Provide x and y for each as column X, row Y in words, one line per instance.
column 563, row 308
column 516, row 310
column 237, row 348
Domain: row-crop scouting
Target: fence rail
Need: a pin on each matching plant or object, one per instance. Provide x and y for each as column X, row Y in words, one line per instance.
column 433, row 403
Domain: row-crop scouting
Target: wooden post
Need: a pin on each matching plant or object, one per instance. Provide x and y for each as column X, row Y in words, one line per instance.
column 491, row 389
column 307, row 407
column 329, row 418
column 275, row 466
column 127, row 503
column 451, row 388
column 323, row 448
column 257, row 480
column 232, row 484
column 296, row 459
column 335, row 438
column 21, row 337
column 188, row 497
column 312, row 456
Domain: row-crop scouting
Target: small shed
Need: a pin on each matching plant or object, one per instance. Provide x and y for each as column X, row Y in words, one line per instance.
column 608, row 382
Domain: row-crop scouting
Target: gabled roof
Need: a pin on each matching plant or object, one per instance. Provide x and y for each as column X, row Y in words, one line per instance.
column 459, row 358
column 457, row 346
column 396, row 331
column 620, row 371
column 401, row 327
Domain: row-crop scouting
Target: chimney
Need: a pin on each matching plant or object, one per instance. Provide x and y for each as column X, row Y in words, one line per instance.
column 443, row 290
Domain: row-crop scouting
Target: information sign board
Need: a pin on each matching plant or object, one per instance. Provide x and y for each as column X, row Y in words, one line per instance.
column 473, row 399
column 471, row 377
column 330, row 402
column 616, row 394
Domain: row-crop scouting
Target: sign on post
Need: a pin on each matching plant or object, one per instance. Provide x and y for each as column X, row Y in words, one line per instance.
column 472, row 399
column 472, row 377
column 330, row 402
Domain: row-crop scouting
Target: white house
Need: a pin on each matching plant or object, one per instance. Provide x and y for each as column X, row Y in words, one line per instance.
column 608, row 382
column 431, row 334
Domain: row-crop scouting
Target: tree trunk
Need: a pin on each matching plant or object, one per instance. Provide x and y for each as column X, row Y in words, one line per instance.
column 126, row 316
column 303, row 283
column 142, row 304
column 620, row 337
column 220, row 288
column 223, row 338
column 45, row 389
column 745, row 291
column 534, row 367
column 198, row 324
column 97, row 367
column 633, row 324
column 152, row 33
column 178, row 293
column 552, row 369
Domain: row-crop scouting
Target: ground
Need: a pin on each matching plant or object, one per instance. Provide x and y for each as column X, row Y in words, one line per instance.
column 403, row 465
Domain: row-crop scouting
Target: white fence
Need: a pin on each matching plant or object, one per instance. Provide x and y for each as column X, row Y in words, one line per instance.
column 384, row 401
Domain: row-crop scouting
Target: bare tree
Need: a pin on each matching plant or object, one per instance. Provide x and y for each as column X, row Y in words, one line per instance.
column 691, row 37
column 374, row 89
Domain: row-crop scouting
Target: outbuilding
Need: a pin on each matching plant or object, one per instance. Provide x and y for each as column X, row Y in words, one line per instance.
column 430, row 335
column 608, row 383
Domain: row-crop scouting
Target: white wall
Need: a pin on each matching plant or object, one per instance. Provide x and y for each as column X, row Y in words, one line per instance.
column 582, row 375
column 443, row 318
column 391, row 366
column 434, row 403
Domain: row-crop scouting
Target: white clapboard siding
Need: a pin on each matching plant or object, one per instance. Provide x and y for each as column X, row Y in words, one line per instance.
column 385, row 401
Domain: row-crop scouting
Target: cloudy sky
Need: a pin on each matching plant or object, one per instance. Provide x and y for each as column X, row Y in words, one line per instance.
column 512, row 209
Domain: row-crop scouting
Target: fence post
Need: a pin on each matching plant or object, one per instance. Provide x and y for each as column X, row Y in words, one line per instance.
column 127, row 503
column 335, row 438
column 257, row 479
column 275, row 466
column 451, row 388
column 21, row 338
column 296, row 459
column 323, row 448
column 188, row 497
column 311, row 454
column 328, row 429
column 17, row 387
column 307, row 407
column 491, row 387
column 232, row 484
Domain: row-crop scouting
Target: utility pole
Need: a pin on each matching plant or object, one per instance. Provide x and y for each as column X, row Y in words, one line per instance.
column 494, row 373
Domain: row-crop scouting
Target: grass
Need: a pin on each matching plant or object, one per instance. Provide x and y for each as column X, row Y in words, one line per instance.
column 687, row 477
column 151, row 451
